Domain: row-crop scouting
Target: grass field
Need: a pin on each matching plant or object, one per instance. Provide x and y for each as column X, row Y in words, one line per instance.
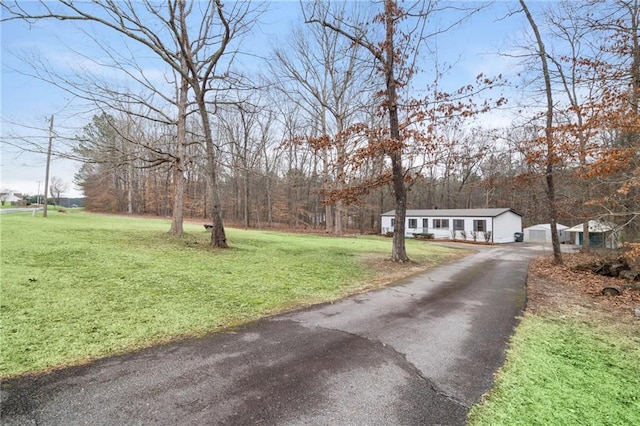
column 564, row 372
column 78, row 286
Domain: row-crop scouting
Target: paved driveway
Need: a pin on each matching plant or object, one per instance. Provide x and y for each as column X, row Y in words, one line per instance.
column 417, row 353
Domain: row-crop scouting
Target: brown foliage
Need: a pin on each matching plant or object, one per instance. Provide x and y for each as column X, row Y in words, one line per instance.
column 578, row 286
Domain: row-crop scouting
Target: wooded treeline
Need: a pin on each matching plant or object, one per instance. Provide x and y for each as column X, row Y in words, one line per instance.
column 298, row 144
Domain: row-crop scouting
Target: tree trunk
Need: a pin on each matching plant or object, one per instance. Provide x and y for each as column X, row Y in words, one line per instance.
column 340, row 153
column 179, row 161
column 328, row 208
column 586, row 243
column 218, row 237
column 399, row 251
column 130, row 191
column 246, row 211
column 46, row 177
column 551, row 154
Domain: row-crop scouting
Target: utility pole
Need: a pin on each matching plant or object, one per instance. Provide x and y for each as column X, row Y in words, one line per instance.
column 46, row 178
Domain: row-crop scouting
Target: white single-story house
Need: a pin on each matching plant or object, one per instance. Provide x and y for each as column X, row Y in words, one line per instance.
column 541, row 233
column 492, row 225
column 10, row 197
column 601, row 234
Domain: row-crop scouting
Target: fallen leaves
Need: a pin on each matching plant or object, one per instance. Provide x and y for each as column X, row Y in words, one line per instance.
column 560, row 287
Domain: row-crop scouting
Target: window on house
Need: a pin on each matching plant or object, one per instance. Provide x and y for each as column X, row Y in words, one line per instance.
column 480, row 225
column 413, row 223
column 393, row 222
column 458, row 224
column 441, row 223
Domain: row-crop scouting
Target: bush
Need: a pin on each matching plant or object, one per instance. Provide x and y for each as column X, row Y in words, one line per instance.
column 423, row 236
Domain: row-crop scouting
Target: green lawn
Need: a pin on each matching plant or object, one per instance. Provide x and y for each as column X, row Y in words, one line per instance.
column 77, row 286
column 563, row 372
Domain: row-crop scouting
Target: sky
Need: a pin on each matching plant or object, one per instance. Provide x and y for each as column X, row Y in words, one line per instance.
column 27, row 103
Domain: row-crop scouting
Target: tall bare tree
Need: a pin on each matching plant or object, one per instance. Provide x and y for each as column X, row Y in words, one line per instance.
column 192, row 38
column 596, row 67
column 551, row 155
column 328, row 77
column 393, row 40
column 390, row 61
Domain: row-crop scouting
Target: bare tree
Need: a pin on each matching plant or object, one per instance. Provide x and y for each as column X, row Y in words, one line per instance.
column 327, row 75
column 393, row 40
column 549, row 142
column 243, row 133
column 566, row 26
column 57, row 187
column 386, row 55
column 191, row 39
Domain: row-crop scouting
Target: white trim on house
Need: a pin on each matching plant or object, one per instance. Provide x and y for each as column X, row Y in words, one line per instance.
column 494, row 225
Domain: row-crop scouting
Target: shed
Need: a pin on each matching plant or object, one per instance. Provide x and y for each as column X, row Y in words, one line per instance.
column 541, row 233
column 496, row 225
column 601, row 234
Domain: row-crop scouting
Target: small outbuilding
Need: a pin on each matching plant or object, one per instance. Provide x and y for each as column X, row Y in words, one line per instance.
column 497, row 225
column 541, row 233
column 601, row 234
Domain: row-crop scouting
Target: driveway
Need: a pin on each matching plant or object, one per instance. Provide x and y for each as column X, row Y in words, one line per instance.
column 420, row 352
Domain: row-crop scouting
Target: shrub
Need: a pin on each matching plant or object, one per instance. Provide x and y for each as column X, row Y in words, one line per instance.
column 423, row 236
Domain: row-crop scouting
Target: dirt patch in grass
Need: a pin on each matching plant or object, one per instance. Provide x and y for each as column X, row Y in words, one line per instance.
column 385, row 271
column 559, row 289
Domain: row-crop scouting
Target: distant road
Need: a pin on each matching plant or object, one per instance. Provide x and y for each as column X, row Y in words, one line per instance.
column 20, row 210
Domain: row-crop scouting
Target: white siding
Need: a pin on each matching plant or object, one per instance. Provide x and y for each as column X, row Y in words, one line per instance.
column 500, row 229
column 541, row 233
column 385, row 224
column 505, row 226
column 537, row 235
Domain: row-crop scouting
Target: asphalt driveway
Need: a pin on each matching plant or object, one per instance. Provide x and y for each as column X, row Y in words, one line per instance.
column 417, row 353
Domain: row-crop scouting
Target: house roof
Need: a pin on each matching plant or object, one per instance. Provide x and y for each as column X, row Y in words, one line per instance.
column 11, row 196
column 595, row 226
column 454, row 212
column 546, row 227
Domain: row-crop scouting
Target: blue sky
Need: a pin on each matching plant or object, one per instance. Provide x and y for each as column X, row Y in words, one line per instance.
column 26, row 100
